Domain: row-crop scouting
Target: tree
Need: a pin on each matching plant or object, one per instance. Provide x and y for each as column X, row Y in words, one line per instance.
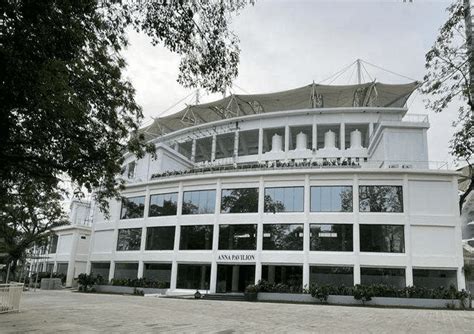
column 448, row 65
column 66, row 112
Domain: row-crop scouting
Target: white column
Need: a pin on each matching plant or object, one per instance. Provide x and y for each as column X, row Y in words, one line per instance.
column 112, row 270
column 408, row 252
column 215, row 239
column 260, row 143
column 306, row 234
column 258, row 261
column 193, row 150
column 458, row 236
column 315, row 135
column 177, row 234
column 356, row 245
column 72, row 260
column 213, row 151
column 140, row 269
column 287, row 138
column 236, row 145
column 342, row 137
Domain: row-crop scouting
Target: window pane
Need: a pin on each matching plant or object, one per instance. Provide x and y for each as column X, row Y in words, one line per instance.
column 283, row 237
column 194, row 276
column 331, row 199
column 61, row 268
column 382, row 238
column 126, row 271
column 432, row 279
column 160, row 238
column 285, row 199
column 292, row 276
column 199, row 202
column 335, row 276
column 133, row 207
column 239, row 200
column 196, row 237
column 54, row 244
column 331, row 237
column 388, row 276
column 243, row 237
column 163, row 205
column 381, row 198
column 100, row 269
column 158, row 272
column 129, row 239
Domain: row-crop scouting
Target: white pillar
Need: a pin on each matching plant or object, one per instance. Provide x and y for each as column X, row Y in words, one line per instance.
column 315, row 135
column 112, row 270
column 215, row 239
column 260, row 143
column 287, row 138
column 342, row 137
column 177, row 235
column 306, row 233
column 258, row 261
column 407, row 230
column 356, row 231
column 236, row 145
column 140, row 269
column 72, row 260
column 193, row 150
column 213, row 151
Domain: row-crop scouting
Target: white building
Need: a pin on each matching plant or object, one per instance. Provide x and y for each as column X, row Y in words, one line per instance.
column 319, row 184
column 68, row 249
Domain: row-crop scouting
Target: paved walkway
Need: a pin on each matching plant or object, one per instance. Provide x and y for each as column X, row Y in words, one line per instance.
column 66, row 311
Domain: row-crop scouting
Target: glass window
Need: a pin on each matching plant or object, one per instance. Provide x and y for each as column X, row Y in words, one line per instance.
column 239, row 200
column 199, row 202
column 382, row 238
column 243, row 237
column 158, row 272
column 336, row 276
column 160, row 238
column 163, row 205
column 388, row 276
column 100, row 269
column 196, row 237
column 53, row 244
column 380, row 199
column 132, row 207
column 61, row 268
column 129, row 239
column 283, row 237
column 331, row 237
column 131, row 169
column 194, row 276
column 126, row 270
column 331, row 199
column 292, row 276
column 432, row 278
column 285, row 199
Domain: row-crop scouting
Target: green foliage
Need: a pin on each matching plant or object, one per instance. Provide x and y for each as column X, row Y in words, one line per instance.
column 251, row 288
column 322, row 292
column 139, row 283
column 291, row 287
column 86, row 281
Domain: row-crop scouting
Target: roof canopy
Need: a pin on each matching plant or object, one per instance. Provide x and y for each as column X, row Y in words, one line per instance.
column 372, row 94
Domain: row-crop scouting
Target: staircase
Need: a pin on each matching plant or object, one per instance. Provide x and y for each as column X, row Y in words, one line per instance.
column 238, row 297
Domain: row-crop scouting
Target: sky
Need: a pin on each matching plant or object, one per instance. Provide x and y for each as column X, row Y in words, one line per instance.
column 288, row 44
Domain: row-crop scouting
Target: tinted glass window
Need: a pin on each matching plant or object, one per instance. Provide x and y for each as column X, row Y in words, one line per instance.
column 61, row 268
column 163, row 205
column 158, row 272
column 53, row 244
column 382, row 238
column 381, row 199
column 331, row 199
column 388, row 276
column 160, row 238
column 194, row 276
column 126, row 270
column 132, row 207
column 239, row 200
column 283, row 237
column 335, row 276
column 331, row 237
column 101, row 269
column 196, row 237
column 238, row 237
column 432, row 279
column 285, row 199
column 199, row 202
column 291, row 276
column 129, row 239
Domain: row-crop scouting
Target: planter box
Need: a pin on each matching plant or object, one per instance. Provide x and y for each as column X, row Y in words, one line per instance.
column 128, row 290
column 349, row 300
column 51, row 284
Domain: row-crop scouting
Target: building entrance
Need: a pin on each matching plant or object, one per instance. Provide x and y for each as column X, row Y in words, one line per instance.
column 234, row 278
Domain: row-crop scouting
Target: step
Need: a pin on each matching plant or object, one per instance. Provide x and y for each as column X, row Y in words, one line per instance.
column 224, row 296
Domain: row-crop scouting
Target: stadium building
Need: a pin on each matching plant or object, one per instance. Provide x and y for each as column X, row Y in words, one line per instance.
column 318, row 184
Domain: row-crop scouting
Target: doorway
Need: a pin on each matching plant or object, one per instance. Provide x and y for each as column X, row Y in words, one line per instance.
column 234, row 278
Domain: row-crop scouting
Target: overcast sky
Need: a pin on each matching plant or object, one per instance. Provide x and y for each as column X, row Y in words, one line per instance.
column 287, row 44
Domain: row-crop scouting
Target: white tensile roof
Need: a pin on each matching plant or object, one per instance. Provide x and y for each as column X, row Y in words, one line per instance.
column 372, row 94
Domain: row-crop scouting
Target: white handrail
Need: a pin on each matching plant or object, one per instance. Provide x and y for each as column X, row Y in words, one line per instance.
column 10, row 296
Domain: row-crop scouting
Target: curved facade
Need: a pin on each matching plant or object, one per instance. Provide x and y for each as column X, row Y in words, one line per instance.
column 317, row 195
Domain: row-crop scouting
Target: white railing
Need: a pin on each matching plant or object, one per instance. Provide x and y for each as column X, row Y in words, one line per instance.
column 10, row 296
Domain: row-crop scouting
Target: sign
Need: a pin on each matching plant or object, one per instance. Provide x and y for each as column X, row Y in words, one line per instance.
column 236, row 257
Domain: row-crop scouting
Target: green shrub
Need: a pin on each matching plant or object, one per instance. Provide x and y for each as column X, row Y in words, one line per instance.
column 139, row 283
column 292, row 287
column 86, row 282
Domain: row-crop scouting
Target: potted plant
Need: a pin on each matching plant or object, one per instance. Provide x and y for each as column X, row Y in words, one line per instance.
column 251, row 292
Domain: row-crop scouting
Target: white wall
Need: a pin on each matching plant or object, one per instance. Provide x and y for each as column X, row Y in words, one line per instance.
column 103, row 242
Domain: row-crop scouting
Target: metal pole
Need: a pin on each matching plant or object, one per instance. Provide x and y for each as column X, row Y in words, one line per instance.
column 359, row 81
column 8, row 272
